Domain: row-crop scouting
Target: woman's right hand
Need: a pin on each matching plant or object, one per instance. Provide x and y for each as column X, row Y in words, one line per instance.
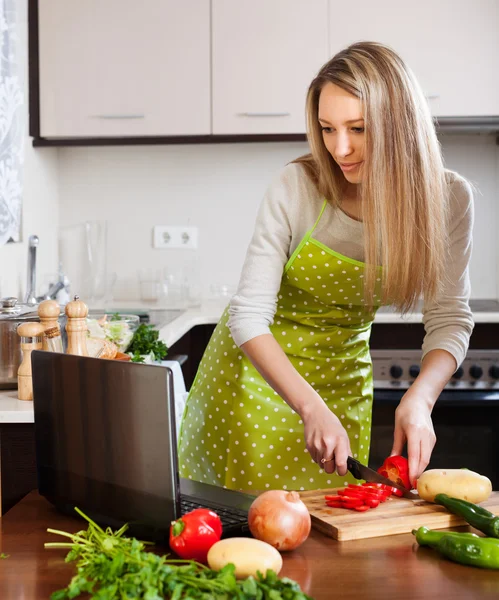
column 326, row 438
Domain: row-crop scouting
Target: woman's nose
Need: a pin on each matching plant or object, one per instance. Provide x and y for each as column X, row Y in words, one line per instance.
column 343, row 145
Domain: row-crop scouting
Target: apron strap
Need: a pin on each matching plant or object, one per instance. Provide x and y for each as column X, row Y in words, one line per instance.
column 319, row 217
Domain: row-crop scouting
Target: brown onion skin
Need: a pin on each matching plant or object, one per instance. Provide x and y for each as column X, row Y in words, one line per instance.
column 280, row 518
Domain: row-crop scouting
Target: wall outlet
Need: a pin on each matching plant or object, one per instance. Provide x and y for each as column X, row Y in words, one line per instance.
column 175, row 237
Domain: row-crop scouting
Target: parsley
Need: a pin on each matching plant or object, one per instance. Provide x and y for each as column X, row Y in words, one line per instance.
column 145, row 340
column 112, row 567
column 3, row 555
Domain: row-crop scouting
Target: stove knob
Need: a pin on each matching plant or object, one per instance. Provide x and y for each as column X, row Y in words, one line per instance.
column 459, row 373
column 476, row 371
column 396, row 372
column 494, row 372
column 414, row 371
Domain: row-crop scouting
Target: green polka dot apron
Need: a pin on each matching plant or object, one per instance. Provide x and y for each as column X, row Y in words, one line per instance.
column 236, row 431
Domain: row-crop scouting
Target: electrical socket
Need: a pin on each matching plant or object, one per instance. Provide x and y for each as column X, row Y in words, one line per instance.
column 175, row 237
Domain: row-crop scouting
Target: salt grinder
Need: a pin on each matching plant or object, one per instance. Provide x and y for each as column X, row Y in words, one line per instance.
column 31, row 335
column 48, row 311
column 76, row 327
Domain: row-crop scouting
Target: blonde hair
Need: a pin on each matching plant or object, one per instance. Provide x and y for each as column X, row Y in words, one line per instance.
column 404, row 192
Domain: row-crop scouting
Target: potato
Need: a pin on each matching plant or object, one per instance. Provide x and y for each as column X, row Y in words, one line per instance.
column 457, row 483
column 247, row 554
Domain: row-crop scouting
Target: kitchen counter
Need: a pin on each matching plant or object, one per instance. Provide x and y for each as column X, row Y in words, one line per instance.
column 391, row 567
column 484, row 311
column 13, row 410
column 209, row 313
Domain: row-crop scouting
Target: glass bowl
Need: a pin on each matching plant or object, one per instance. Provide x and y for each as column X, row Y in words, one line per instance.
column 114, row 327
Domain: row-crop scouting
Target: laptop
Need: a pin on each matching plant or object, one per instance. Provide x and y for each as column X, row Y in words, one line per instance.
column 106, row 442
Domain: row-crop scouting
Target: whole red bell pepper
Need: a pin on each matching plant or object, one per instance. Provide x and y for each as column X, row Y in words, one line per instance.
column 396, row 469
column 194, row 534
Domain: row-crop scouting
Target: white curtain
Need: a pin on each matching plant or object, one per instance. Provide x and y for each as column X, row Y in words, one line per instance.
column 12, row 124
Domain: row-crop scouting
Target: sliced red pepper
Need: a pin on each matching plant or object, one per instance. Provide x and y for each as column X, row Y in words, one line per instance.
column 350, row 492
column 359, row 497
column 356, row 487
column 378, row 486
column 194, row 534
column 365, row 492
column 376, row 497
column 350, row 502
column 396, row 468
column 372, row 502
column 334, row 504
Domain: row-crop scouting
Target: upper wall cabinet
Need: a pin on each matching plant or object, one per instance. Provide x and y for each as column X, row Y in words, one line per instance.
column 113, row 68
column 451, row 45
column 265, row 54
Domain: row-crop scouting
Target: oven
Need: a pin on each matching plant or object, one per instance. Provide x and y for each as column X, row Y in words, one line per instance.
column 465, row 416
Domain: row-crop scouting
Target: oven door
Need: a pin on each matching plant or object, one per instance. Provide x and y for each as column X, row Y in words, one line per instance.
column 466, row 424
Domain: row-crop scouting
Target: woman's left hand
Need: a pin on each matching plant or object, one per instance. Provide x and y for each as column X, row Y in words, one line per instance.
column 413, row 425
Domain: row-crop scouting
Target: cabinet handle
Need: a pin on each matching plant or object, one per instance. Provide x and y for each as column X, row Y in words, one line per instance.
column 264, row 114
column 117, row 116
column 432, row 96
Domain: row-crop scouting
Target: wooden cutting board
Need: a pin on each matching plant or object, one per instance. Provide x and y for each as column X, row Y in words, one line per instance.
column 396, row 515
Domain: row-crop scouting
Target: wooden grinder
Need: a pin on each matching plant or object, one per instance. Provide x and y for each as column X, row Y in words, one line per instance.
column 76, row 327
column 31, row 339
column 49, row 311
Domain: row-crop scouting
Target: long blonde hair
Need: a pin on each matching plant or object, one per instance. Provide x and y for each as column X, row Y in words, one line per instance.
column 404, row 192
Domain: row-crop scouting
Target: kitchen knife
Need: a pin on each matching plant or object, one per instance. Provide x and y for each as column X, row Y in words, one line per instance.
column 360, row 471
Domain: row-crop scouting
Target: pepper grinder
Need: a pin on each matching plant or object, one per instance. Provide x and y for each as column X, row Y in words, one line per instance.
column 31, row 339
column 77, row 312
column 49, row 312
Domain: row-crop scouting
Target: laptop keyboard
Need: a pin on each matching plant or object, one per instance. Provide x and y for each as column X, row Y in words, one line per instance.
column 230, row 517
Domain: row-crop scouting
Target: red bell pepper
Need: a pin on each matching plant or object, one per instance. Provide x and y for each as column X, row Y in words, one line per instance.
column 333, row 504
column 194, row 534
column 396, row 468
column 359, row 497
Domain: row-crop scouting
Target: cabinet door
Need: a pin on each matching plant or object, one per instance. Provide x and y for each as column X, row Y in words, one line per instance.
column 265, row 54
column 451, row 45
column 111, row 68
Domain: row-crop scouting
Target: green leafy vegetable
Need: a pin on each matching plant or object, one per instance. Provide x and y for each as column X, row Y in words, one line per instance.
column 3, row 555
column 145, row 341
column 113, row 567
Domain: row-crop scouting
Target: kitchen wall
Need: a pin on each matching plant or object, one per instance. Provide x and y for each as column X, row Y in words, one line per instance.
column 218, row 188
column 40, row 200
column 215, row 187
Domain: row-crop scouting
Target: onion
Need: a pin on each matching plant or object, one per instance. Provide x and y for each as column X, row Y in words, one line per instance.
column 279, row 518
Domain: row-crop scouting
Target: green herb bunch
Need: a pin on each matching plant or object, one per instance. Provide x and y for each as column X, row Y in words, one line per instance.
column 145, row 341
column 113, row 567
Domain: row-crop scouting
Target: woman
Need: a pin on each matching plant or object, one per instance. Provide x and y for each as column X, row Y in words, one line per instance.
column 284, row 391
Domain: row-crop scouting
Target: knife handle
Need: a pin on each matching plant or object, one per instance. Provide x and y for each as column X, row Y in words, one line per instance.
column 353, row 467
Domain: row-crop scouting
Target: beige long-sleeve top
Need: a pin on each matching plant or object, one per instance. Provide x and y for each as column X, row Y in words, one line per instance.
column 290, row 208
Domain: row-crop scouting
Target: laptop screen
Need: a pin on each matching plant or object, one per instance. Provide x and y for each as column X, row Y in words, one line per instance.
column 105, row 438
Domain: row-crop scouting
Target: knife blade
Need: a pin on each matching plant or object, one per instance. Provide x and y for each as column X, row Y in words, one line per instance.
column 360, row 471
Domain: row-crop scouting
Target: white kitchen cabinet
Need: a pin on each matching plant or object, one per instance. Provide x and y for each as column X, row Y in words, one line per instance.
column 451, row 45
column 112, row 68
column 265, row 53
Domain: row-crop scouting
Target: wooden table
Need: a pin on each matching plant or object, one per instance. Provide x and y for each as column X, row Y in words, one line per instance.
column 391, row 567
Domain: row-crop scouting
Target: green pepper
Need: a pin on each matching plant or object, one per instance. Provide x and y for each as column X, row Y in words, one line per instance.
column 430, row 537
column 463, row 548
column 477, row 516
